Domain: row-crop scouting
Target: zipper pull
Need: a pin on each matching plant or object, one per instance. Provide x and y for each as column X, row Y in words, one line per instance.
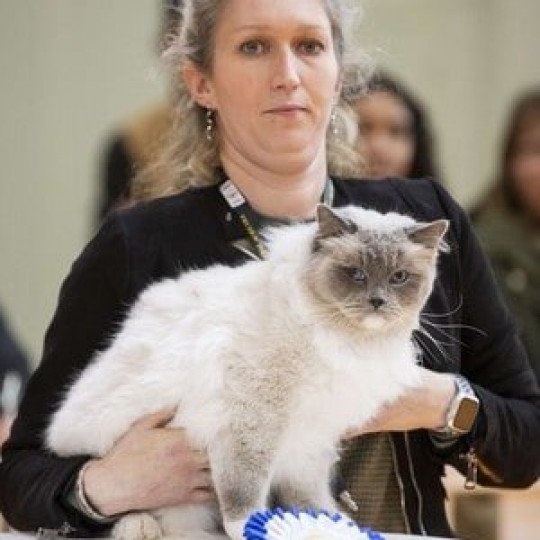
column 471, row 479
column 49, row 534
column 348, row 501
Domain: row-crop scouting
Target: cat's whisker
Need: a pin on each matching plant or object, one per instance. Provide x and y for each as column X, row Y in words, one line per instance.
column 426, row 332
column 448, row 313
column 439, row 327
column 436, row 343
column 425, row 350
column 460, row 326
column 442, row 343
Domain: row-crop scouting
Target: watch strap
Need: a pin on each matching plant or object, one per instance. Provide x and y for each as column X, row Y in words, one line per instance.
column 463, row 391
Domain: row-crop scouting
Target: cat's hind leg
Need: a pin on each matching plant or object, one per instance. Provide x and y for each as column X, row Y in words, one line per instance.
column 241, row 469
column 307, row 487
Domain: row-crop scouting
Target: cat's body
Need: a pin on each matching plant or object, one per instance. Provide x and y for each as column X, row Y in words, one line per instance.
column 267, row 371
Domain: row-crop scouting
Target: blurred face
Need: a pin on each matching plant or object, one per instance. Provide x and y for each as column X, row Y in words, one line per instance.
column 273, row 82
column 386, row 138
column 525, row 167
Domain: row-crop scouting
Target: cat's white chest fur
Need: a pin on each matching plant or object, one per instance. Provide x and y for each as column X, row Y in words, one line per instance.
column 353, row 382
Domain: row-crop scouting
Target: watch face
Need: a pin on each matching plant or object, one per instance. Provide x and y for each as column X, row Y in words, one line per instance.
column 466, row 414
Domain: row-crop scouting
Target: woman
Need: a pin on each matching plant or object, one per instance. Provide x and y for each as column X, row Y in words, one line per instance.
column 134, row 144
column 263, row 83
column 395, row 134
column 508, row 221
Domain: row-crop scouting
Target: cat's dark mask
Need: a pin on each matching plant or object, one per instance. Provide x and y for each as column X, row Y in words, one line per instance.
column 369, row 277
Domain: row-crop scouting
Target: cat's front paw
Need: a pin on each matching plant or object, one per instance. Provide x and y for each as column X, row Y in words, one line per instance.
column 235, row 529
column 141, row 526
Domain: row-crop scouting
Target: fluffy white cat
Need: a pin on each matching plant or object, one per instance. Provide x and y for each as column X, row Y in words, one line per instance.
column 268, row 363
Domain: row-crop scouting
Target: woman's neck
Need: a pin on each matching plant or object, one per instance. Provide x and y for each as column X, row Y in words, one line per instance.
column 290, row 194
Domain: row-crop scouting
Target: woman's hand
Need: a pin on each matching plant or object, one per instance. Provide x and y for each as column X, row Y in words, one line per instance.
column 424, row 407
column 151, row 466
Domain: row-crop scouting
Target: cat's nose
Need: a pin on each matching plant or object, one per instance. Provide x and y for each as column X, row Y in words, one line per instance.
column 376, row 302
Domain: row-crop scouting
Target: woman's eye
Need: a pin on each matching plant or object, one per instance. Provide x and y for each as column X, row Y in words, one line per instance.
column 253, row 47
column 310, row 47
column 400, row 132
column 399, row 277
column 356, row 274
column 365, row 128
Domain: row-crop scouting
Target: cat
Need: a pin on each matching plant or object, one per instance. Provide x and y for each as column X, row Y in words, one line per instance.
column 268, row 363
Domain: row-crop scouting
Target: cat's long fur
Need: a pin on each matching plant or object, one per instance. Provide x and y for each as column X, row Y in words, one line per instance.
column 267, row 369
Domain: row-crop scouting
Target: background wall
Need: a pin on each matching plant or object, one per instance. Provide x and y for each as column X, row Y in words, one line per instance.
column 70, row 70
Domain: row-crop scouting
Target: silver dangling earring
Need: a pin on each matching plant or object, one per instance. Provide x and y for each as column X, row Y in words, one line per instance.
column 333, row 123
column 209, row 124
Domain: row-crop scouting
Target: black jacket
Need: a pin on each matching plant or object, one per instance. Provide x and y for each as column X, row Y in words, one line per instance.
column 195, row 229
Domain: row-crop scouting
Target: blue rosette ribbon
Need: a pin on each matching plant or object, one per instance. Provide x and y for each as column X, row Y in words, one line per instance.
column 294, row 524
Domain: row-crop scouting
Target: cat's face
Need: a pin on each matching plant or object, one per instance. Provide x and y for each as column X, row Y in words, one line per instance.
column 369, row 279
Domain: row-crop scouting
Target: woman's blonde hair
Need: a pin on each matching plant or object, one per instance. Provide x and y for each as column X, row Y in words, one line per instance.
column 189, row 157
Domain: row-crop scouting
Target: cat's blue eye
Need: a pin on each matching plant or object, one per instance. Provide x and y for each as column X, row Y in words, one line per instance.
column 357, row 274
column 399, row 277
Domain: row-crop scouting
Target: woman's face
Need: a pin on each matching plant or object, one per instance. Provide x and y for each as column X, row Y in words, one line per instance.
column 273, row 82
column 525, row 169
column 386, row 139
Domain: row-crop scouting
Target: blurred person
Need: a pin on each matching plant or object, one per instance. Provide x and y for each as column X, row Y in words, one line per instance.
column 262, row 114
column 135, row 143
column 395, row 135
column 14, row 373
column 508, row 220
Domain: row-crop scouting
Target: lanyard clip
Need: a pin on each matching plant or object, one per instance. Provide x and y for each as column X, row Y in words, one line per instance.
column 471, row 478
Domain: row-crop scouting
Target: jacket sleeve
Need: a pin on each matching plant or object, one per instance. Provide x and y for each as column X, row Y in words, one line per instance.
column 91, row 303
column 506, row 435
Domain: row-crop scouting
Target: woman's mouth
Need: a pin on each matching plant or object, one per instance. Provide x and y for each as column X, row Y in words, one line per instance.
column 286, row 110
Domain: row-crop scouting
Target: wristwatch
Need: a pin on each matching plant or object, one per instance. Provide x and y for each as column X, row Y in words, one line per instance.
column 462, row 411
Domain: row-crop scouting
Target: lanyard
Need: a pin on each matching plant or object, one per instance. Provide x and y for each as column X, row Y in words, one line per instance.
column 248, row 217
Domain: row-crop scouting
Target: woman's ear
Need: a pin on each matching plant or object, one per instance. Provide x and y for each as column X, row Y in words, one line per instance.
column 199, row 86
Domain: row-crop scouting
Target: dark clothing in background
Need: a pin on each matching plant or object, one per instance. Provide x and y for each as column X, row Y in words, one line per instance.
column 131, row 149
column 117, row 175
column 513, row 247
column 159, row 238
column 12, row 359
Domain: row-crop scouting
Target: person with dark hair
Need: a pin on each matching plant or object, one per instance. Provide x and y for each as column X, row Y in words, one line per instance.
column 131, row 147
column 507, row 220
column 395, row 136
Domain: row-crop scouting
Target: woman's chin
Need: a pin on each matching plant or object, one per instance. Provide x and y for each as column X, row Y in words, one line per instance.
column 291, row 144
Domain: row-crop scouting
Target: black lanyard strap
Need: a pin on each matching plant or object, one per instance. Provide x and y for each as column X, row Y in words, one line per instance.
column 249, row 217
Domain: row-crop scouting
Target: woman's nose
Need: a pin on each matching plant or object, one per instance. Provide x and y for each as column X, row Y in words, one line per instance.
column 286, row 70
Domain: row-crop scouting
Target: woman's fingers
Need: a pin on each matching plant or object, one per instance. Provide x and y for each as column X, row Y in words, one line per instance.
column 201, row 460
column 201, row 495
column 203, row 480
column 155, row 420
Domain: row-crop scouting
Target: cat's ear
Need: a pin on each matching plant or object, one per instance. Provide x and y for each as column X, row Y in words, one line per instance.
column 429, row 235
column 330, row 224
